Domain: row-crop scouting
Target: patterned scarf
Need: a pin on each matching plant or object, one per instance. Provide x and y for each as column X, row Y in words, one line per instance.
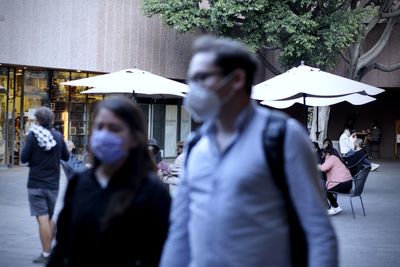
column 44, row 137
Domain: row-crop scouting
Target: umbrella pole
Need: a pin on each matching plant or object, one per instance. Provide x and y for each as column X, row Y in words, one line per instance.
column 317, row 132
column 305, row 111
column 133, row 97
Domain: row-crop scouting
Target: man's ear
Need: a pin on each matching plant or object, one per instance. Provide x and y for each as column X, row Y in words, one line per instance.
column 239, row 79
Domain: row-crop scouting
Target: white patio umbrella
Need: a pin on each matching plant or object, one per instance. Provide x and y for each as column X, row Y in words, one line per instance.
column 153, row 93
column 130, row 81
column 354, row 99
column 312, row 87
column 304, row 81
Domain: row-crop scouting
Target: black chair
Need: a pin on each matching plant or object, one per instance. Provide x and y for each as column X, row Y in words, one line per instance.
column 358, row 186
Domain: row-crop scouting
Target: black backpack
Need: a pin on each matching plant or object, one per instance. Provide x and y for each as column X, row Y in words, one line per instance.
column 273, row 140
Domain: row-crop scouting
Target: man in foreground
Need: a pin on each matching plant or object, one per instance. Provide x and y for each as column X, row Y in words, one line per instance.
column 228, row 210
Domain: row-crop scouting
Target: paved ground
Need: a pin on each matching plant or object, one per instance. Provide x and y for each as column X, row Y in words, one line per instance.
column 370, row 241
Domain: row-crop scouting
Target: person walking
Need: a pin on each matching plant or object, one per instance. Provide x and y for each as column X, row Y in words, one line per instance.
column 43, row 150
column 116, row 213
column 228, row 211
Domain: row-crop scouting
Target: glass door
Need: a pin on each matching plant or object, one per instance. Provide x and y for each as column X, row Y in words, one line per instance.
column 3, row 115
column 78, row 115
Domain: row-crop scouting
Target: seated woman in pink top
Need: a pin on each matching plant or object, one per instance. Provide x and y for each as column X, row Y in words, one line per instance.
column 338, row 178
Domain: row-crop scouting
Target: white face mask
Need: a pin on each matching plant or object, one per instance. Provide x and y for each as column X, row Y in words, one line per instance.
column 203, row 103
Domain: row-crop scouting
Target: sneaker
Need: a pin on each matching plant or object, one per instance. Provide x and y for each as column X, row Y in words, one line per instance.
column 41, row 259
column 374, row 166
column 333, row 211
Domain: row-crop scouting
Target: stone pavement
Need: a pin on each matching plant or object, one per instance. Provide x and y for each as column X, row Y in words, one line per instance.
column 370, row 241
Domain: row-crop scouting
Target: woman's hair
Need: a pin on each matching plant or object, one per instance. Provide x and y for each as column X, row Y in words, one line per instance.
column 328, row 150
column 44, row 117
column 139, row 164
column 327, row 140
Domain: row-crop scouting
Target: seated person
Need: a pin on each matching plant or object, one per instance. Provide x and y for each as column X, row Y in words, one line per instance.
column 176, row 167
column 373, row 137
column 346, row 142
column 338, row 178
column 156, row 154
column 360, row 156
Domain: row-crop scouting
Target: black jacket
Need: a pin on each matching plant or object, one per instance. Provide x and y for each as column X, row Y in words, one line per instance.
column 44, row 166
column 135, row 238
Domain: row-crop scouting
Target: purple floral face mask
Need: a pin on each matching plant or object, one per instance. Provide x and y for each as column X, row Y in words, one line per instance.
column 107, row 146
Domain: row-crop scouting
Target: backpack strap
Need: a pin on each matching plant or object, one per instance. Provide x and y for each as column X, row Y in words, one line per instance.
column 192, row 141
column 273, row 142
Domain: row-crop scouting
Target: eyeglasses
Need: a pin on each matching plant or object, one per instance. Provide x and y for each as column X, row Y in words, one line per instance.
column 202, row 76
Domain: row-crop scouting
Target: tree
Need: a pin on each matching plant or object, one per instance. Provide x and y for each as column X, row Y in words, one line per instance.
column 313, row 31
column 316, row 31
column 360, row 62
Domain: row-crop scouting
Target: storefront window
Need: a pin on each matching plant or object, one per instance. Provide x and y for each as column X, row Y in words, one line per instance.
column 78, row 115
column 31, row 93
column 171, row 124
column 3, row 113
column 146, row 113
column 35, row 94
column 59, row 101
column 11, row 115
column 186, row 124
column 93, row 100
column 158, row 125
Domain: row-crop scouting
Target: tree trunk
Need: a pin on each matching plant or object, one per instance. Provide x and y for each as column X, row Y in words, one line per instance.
column 322, row 130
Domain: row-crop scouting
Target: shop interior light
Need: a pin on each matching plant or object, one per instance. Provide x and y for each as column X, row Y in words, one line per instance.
column 78, row 70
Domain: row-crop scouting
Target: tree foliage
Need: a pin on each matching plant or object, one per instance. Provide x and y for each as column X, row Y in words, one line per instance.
column 313, row 31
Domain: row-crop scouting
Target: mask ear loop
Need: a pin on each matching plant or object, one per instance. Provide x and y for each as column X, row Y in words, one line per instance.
column 225, row 82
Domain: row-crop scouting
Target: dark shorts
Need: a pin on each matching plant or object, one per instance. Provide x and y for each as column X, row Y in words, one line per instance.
column 42, row 201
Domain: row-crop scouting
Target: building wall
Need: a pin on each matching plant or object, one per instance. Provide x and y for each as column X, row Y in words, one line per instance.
column 93, row 35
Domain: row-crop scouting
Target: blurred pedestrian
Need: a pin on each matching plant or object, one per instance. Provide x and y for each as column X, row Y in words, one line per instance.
column 116, row 213
column 229, row 209
column 43, row 150
column 155, row 150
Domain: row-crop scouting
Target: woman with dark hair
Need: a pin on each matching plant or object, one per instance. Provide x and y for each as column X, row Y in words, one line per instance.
column 338, row 178
column 116, row 213
column 329, row 144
